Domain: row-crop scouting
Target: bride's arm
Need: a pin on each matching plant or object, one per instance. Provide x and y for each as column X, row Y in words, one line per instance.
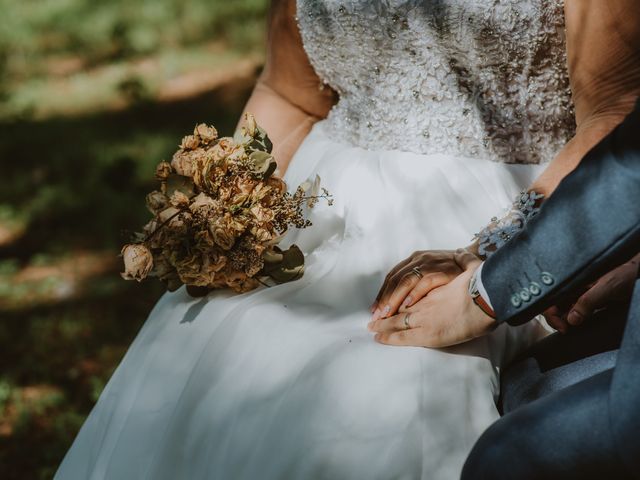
column 288, row 97
column 603, row 47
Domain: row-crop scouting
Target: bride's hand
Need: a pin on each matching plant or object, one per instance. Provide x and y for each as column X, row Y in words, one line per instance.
column 447, row 316
column 412, row 279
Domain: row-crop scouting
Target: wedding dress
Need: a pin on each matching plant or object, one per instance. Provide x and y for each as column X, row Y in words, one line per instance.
column 448, row 108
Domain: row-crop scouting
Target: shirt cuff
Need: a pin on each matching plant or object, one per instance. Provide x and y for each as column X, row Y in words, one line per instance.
column 481, row 290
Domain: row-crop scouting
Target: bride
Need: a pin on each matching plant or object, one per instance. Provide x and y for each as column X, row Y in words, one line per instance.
column 424, row 119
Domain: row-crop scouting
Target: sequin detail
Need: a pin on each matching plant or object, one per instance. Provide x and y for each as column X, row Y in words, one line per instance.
column 462, row 77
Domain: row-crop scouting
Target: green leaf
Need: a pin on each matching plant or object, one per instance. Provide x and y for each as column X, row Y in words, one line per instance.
column 263, row 163
column 289, row 268
column 241, row 138
column 274, row 255
column 264, row 138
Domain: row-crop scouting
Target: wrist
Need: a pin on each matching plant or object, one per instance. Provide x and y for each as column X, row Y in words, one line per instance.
column 475, row 292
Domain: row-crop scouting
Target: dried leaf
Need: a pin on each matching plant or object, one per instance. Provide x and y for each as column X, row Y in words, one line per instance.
column 290, row 268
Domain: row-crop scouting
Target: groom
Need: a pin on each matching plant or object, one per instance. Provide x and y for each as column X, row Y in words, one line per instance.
column 581, row 419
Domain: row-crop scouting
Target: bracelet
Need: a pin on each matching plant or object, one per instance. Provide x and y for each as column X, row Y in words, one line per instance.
column 501, row 230
column 477, row 297
column 484, row 306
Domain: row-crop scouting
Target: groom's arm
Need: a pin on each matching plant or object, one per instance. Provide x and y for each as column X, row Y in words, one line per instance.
column 587, row 227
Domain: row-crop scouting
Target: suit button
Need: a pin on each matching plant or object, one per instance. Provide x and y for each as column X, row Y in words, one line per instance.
column 515, row 300
column 525, row 295
column 534, row 289
column 547, row 278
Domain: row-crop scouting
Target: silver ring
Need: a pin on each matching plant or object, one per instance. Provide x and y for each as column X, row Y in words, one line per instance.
column 416, row 271
column 405, row 321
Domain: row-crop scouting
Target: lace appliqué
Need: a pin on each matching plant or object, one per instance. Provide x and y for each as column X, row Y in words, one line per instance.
column 501, row 230
column 460, row 77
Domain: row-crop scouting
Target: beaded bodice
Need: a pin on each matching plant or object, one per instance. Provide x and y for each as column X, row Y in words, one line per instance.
column 470, row 77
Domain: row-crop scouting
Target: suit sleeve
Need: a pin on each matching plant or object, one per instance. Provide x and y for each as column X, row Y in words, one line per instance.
column 590, row 225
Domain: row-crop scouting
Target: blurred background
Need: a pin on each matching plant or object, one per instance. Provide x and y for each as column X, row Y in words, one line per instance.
column 92, row 96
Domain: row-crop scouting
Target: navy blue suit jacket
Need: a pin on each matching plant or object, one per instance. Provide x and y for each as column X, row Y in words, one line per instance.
column 590, row 225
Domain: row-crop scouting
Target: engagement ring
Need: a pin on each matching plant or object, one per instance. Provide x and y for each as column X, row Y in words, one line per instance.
column 416, row 271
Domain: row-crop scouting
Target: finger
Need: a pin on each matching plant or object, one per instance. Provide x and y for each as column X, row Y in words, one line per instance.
column 465, row 259
column 425, row 286
column 397, row 296
column 393, row 323
column 404, row 338
column 389, row 276
column 554, row 317
column 404, row 279
column 557, row 322
column 586, row 305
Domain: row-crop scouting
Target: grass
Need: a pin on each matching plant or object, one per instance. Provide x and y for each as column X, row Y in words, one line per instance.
column 96, row 93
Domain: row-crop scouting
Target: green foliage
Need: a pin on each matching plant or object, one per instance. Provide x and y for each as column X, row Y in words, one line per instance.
column 97, row 32
column 74, row 179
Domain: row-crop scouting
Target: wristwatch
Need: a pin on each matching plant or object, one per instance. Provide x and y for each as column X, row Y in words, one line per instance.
column 477, row 298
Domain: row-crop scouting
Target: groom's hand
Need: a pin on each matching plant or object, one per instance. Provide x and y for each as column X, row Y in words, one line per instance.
column 614, row 287
column 447, row 316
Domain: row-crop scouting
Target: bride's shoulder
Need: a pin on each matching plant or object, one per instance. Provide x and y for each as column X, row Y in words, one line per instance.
column 603, row 47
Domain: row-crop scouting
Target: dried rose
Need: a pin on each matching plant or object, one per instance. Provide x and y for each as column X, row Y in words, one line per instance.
column 191, row 272
column 179, row 200
column 156, row 201
column 206, row 133
column 250, row 124
column 163, row 170
column 190, row 142
column 203, row 204
column 263, row 235
column 223, row 148
column 242, row 190
column 167, row 273
column 225, row 230
column 241, row 282
column 182, row 162
column 223, row 238
column 216, row 262
column 245, row 185
column 237, row 154
column 261, row 214
column 174, row 217
column 138, row 262
column 225, row 193
column 277, row 184
column 269, row 192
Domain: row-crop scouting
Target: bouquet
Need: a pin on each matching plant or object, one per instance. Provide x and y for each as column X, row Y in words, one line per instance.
column 219, row 214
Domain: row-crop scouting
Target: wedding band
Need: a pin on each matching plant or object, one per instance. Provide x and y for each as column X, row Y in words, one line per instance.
column 416, row 271
column 405, row 321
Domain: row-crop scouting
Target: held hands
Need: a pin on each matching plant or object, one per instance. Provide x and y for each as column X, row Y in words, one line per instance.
column 446, row 316
column 414, row 278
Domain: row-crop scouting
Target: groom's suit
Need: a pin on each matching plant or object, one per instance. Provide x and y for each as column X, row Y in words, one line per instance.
column 578, row 414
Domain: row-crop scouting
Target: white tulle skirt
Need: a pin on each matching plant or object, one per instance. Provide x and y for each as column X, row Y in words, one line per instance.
column 286, row 382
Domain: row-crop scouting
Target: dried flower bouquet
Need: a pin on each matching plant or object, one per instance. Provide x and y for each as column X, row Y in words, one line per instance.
column 219, row 215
